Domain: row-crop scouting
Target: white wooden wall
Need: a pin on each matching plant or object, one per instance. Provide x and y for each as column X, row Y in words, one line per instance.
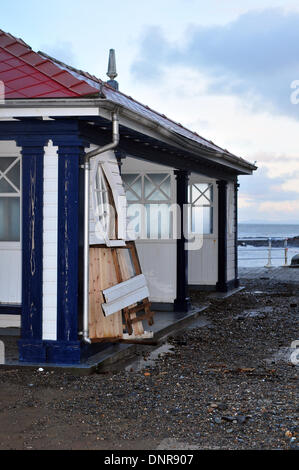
column 230, row 232
column 158, row 263
column 203, row 263
column 10, row 252
column 157, row 257
column 50, row 214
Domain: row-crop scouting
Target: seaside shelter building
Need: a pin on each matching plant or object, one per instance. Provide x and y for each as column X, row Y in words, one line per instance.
column 89, row 179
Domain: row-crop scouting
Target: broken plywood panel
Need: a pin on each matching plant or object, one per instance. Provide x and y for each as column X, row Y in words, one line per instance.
column 102, row 275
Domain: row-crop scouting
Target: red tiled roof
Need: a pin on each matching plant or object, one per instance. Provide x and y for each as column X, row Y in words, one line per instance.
column 27, row 74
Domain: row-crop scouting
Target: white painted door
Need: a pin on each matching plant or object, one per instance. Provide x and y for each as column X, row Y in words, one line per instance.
column 10, row 224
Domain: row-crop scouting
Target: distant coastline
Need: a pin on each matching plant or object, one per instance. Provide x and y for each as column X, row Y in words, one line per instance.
column 293, row 241
column 252, row 234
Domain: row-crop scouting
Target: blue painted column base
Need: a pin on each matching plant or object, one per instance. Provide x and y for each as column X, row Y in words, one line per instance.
column 54, row 352
column 31, row 350
column 63, row 352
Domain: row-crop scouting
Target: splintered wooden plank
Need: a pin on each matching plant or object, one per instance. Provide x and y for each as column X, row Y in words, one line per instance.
column 124, row 288
column 125, row 301
column 102, row 276
column 128, row 271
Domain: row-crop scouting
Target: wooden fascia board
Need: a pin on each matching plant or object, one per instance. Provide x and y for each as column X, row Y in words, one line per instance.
column 142, row 147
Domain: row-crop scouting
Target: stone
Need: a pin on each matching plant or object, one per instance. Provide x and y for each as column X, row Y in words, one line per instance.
column 241, row 419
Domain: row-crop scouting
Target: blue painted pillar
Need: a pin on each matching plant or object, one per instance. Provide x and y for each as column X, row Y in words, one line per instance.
column 236, row 188
column 67, row 348
column 31, row 347
column 182, row 302
column 221, row 285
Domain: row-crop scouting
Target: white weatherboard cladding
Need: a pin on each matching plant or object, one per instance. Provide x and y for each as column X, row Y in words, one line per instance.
column 230, row 232
column 158, row 263
column 50, row 213
column 124, row 288
column 10, row 256
column 125, row 301
column 203, row 263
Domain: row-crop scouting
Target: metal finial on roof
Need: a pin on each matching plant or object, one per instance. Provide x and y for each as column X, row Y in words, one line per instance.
column 112, row 74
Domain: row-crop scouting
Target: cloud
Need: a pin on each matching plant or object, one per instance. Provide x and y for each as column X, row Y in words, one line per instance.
column 265, row 198
column 231, row 83
column 280, row 208
column 291, row 185
column 261, row 187
column 255, row 56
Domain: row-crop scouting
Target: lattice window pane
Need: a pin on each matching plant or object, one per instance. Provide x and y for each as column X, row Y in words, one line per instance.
column 9, row 205
column 151, row 216
column 14, row 175
column 157, row 186
column 166, row 186
column 133, row 186
column 5, row 163
column 202, row 194
column 9, row 175
column 201, row 198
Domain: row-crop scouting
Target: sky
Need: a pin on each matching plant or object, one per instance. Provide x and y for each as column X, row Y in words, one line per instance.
column 228, row 70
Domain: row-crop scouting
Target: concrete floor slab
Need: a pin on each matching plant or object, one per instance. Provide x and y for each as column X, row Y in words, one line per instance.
column 166, row 323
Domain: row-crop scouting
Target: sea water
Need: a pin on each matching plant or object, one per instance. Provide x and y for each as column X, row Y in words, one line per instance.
column 254, row 256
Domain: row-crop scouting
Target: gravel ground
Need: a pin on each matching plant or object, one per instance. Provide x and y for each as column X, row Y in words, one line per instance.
column 227, row 385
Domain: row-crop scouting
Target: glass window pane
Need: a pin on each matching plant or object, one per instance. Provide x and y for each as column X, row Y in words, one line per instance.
column 159, row 220
column 157, row 178
column 5, row 187
column 129, row 178
column 134, row 217
column 5, row 162
column 14, row 175
column 166, row 186
column 207, row 220
column 152, row 184
column 157, row 196
column 9, row 219
column 201, row 193
column 131, row 196
column 202, row 220
column 133, row 182
column 149, row 187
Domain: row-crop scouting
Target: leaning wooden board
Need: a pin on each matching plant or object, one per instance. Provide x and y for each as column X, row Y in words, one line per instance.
column 102, row 275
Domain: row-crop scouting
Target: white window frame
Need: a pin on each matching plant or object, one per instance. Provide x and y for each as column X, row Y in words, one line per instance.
column 13, row 245
column 145, row 201
column 104, row 217
column 212, row 204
